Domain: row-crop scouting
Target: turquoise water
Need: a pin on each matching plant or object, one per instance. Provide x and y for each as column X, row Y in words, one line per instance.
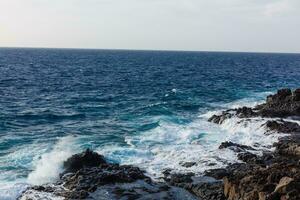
column 147, row 108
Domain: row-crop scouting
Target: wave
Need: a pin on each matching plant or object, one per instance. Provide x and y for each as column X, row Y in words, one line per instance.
column 168, row 144
column 164, row 144
column 49, row 166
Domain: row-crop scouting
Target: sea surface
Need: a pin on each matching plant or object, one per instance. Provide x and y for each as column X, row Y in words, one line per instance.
column 147, row 108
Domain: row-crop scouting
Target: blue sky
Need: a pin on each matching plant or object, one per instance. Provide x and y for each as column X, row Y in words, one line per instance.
column 212, row 25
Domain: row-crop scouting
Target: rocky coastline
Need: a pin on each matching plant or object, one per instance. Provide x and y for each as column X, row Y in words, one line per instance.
column 270, row 176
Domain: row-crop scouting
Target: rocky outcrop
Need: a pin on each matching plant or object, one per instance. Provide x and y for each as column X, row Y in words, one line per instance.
column 82, row 160
column 284, row 103
column 205, row 188
column 88, row 176
column 264, row 183
column 274, row 175
column 282, row 126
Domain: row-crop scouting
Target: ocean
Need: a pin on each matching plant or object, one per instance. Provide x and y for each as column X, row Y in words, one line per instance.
column 146, row 108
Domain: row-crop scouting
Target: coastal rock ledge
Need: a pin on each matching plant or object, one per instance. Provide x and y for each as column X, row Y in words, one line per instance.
column 274, row 175
column 89, row 176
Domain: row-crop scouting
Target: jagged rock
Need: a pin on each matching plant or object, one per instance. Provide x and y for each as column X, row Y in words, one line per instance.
column 205, row 189
column 85, row 159
column 176, row 178
column 284, row 103
column 188, row 164
column 217, row 173
column 282, row 126
column 288, row 147
column 261, row 182
column 282, row 185
column 275, row 175
column 296, row 95
column 219, row 119
column 89, row 176
column 235, row 147
column 250, row 158
column 245, row 112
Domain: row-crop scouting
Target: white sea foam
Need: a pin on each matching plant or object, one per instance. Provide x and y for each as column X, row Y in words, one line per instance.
column 36, row 195
column 169, row 144
column 10, row 191
column 49, row 166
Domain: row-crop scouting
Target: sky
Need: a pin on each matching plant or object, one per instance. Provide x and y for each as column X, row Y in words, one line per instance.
column 195, row 25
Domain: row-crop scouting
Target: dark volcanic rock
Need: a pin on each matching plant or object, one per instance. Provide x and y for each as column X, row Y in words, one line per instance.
column 284, row 103
column 235, row 147
column 250, row 158
column 217, row 173
column 245, row 112
column 88, row 176
column 219, row 119
column 282, row 126
column 85, row 159
column 288, row 147
column 205, row 189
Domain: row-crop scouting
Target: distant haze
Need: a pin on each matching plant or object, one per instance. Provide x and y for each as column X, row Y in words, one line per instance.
column 204, row 25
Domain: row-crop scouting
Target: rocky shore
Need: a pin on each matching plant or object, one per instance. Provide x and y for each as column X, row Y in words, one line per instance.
column 270, row 176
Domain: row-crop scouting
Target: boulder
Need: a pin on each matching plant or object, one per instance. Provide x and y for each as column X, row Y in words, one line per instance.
column 85, row 159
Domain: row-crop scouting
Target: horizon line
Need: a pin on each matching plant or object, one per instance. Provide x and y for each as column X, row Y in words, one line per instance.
column 153, row 50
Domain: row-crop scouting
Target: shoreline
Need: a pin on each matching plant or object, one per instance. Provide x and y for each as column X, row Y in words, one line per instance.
column 257, row 177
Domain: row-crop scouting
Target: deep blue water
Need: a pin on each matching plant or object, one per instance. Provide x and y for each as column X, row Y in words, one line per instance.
column 108, row 99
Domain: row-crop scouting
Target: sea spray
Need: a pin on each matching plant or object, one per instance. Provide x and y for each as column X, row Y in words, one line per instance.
column 50, row 164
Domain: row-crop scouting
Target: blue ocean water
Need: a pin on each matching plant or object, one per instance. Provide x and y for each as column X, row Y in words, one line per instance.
column 147, row 108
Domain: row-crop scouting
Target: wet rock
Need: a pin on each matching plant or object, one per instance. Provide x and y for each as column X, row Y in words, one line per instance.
column 219, row 119
column 207, row 191
column 250, row 158
column 177, row 178
column 282, row 104
column 296, row 95
column 245, row 112
column 85, row 159
column 188, row 164
column 288, row 147
column 235, row 147
column 217, row 173
column 282, row 126
column 203, row 187
column 88, row 174
column 274, row 175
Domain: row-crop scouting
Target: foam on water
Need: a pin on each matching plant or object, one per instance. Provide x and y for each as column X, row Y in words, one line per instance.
column 169, row 145
column 10, row 191
column 46, row 166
